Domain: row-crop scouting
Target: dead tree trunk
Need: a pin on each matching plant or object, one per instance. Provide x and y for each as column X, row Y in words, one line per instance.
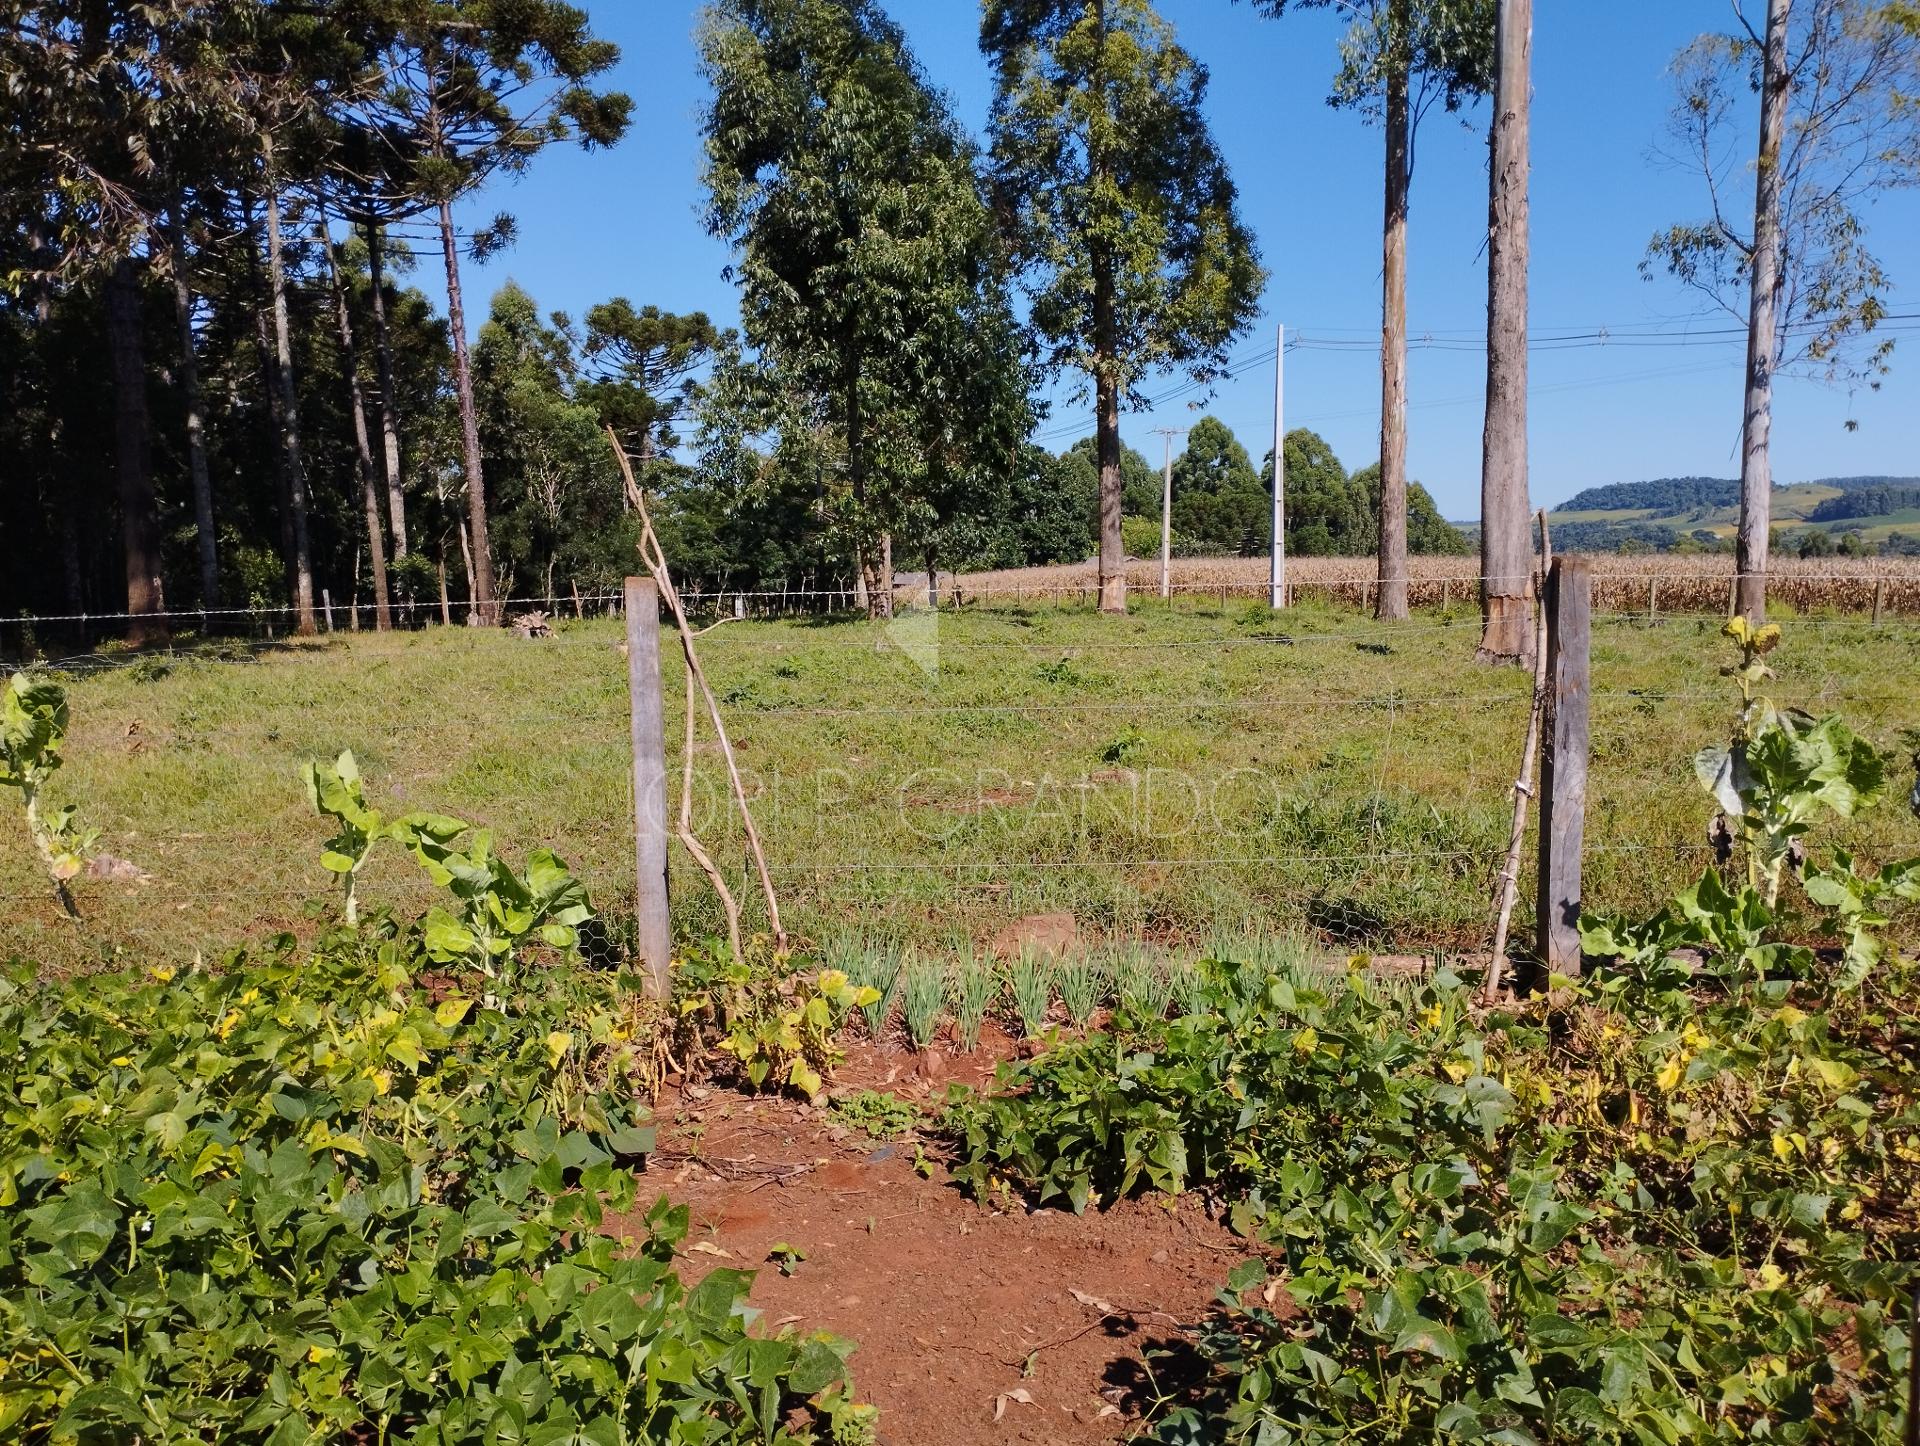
column 133, row 458
column 1392, row 604
column 1505, row 571
column 389, row 413
column 363, row 447
column 484, row 613
column 203, row 526
column 1756, row 423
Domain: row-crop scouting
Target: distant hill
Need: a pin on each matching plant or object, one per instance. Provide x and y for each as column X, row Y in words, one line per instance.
column 1663, row 494
column 1660, row 512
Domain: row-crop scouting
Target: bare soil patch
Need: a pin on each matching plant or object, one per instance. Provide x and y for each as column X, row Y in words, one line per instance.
column 975, row 1325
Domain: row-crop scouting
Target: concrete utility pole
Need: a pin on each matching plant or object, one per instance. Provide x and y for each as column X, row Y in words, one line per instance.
column 1166, row 436
column 1277, row 578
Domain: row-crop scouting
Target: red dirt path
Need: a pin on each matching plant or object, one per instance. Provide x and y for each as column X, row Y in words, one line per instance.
column 955, row 1307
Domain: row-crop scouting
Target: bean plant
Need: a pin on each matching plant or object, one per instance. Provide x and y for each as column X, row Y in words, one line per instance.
column 1668, row 1202
column 33, row 726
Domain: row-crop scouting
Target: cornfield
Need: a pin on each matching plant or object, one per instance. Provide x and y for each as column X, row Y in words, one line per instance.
column 1636, row 583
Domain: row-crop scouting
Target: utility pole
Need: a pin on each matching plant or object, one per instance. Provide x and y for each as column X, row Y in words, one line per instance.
column 1166, row 436
column 1277, row 576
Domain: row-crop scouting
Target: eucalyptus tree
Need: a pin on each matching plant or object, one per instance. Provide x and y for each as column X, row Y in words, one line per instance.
column 1506, row 554
column 1398, row 60
column 1124, row 218
column 473, row 89
column 1836, row 128
column 871, row 288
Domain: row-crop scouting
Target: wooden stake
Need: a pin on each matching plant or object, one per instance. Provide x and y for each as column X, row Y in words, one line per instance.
column 1879, row 596
column 656, row 562
column 1563, row 763
column 653, row 930
column 326, row 606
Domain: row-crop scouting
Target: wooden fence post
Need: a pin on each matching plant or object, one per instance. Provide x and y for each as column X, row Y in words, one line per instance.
column 653, row 932
column 326, row 606
column 1563, row 770
column 1879, row 596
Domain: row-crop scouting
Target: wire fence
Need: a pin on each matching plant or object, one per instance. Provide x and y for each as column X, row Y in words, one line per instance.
column 1881, row 589
column 1161, row 779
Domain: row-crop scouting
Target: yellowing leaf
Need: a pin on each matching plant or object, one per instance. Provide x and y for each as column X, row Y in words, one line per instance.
column 805, row 1078
column 1832, row 1072
column 1671, row 1074
column 1770, row 1277
column 832, row 981
column 1306, row 1041
column 450, row 1012
column 558, row 1043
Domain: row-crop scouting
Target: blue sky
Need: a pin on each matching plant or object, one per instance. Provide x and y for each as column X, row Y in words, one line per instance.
column 627, row 222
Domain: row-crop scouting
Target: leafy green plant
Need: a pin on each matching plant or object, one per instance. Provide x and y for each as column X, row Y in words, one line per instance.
column 923, row 999
column 1669, row 1203
column 1782, row 767
column 779, row 1024
column 973, row 987
column 878, row 1113
column 1030, row 981
column 335, row 792
column 1083, row 981
column 33, row 726
column 499, row 911
column 295, row 1196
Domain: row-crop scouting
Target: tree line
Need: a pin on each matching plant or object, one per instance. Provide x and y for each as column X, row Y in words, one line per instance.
column 224, row 388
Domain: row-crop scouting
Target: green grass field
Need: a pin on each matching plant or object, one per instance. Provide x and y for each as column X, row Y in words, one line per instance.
column 1162, row 776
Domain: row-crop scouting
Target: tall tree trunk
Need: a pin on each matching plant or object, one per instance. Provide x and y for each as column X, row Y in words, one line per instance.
column 875, row 559
column 363, row 448
column 1506, row 555
column 263, row 344
column 1106, row 381
column 133, row 460
column 1391, row 596
column 483, row 609
column 1113, row 555
column 1756, row 423
column 304, row 623
column 389, row 413
column 196, row 414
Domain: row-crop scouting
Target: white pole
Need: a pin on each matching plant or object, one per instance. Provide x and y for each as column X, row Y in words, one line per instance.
column 1277, row 581
column 1166, row 517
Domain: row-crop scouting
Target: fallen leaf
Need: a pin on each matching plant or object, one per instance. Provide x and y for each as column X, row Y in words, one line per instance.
column 1000, row 1401
column 707, row 1247
column 1092, row 1302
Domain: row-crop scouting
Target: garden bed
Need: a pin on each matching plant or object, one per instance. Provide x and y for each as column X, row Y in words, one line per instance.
column 974, row 1325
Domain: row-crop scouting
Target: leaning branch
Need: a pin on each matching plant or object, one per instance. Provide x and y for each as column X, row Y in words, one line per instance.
column 656, row 563
column 1523, row 785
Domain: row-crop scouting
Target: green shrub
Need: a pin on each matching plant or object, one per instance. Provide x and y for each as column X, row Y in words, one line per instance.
column 301, row 1197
